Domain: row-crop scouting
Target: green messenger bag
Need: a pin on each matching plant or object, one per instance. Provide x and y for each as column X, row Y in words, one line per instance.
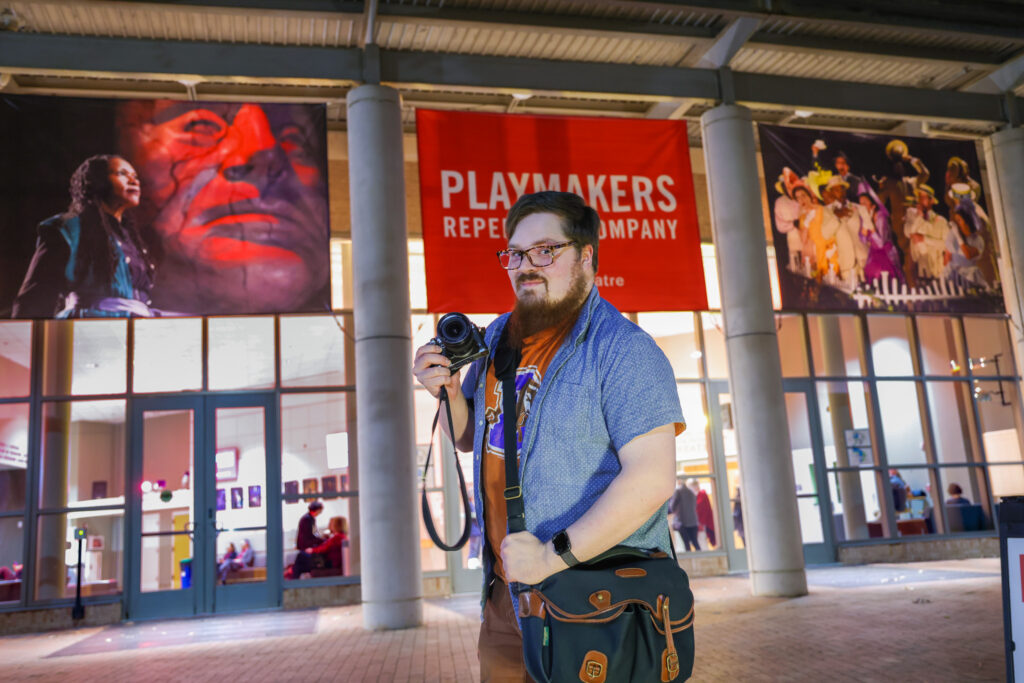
column 624, row 616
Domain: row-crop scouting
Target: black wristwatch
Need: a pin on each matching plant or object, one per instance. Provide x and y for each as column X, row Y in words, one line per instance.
column 564, row 549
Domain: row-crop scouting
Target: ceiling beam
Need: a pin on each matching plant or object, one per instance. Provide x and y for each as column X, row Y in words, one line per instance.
column 728, row 43
column 33, row 53
column 1004, row 79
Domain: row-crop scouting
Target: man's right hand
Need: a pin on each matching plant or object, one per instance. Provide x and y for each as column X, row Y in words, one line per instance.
column 430, row 369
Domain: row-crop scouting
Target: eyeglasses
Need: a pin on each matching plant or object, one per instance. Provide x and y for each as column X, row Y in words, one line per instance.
column 540, row 256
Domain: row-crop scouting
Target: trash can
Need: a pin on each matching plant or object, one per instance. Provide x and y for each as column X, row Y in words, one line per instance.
column 186, row 573
column 1010, row 513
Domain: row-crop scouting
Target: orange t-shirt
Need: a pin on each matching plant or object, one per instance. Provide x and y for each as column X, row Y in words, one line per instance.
column 538, row 350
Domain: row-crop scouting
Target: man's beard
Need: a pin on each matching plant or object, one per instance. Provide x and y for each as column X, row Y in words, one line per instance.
column 532, row 316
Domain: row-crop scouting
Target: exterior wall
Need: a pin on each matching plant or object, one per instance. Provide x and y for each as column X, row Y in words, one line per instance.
column 920, row 551
column 58, row 618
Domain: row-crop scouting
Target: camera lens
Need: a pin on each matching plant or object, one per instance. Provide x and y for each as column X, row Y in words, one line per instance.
column 453, row 330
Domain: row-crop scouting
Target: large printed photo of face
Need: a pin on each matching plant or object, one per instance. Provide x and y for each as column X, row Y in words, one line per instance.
column 153, row 208
column 878, row 222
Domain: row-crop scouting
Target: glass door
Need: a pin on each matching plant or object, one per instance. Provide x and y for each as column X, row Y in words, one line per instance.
column 246, row 570
column 165, row 542
column 200, row 507
column 808, row 466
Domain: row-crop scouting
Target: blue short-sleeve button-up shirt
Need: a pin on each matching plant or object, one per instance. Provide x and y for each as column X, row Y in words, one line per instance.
column 608, row 384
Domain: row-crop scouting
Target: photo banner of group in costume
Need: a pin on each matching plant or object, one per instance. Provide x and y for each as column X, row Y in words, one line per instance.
column 634, row 172
column 879, row 222
column 150, row 208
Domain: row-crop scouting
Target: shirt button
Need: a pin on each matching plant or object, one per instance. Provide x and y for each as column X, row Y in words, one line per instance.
column 481, row 423
column 127, row 259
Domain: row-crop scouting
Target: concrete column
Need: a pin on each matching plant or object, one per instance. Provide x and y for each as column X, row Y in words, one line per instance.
column 854, row 518
column 392, row 587
column 774, row 545
column 1007, row 162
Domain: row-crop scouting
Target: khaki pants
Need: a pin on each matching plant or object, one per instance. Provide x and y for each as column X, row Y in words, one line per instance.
column 500, row 646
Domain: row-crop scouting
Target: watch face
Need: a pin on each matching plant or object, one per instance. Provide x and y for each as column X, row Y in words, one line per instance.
column 561, row 542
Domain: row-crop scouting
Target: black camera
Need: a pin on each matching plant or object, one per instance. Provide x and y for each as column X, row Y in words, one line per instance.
column 460, row 340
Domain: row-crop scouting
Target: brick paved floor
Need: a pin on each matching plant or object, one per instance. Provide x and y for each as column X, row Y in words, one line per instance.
column 935, row 621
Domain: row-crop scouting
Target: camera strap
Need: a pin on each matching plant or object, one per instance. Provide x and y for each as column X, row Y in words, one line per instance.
column 428, row 518
column 506, row 363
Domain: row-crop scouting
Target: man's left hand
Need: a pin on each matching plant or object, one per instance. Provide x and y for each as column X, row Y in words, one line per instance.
column 527, row 560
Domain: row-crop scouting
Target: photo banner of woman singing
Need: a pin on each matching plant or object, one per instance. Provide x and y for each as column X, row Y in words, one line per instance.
column 149, row 208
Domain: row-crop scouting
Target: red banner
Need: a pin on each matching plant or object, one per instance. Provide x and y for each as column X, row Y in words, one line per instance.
column 635, row 173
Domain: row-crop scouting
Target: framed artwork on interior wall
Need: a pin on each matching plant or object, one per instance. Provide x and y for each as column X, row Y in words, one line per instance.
column 291, row 488
column 222, row 499
column 329, row 484
column 237, row 500
column 99, row 489
column 310, row 485
column 255, row 496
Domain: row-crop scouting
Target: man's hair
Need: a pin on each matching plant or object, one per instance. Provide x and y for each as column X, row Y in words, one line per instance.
column 955, row 490
column 579, row 221
column 316, row 505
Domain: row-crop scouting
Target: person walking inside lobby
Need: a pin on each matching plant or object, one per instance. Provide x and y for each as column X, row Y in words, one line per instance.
column 598, row 413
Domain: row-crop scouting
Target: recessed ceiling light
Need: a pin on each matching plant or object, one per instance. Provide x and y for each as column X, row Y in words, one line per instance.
column 803, row 114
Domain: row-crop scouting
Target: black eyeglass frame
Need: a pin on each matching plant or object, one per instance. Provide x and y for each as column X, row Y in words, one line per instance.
column 529, row 257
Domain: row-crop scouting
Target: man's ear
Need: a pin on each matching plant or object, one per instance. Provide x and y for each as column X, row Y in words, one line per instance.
column 587, row 255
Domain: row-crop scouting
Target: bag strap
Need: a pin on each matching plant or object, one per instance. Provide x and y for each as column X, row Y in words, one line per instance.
column 506, row 363
column 428, row 517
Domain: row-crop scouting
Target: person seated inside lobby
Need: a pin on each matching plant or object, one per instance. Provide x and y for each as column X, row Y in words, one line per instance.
column 327, row 557
column 234, row 561
column 956, row 496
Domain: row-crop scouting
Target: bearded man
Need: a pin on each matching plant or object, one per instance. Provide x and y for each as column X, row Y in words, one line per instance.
column 598, row 413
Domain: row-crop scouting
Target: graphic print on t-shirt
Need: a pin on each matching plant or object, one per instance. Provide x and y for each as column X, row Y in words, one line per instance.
column 527, row 378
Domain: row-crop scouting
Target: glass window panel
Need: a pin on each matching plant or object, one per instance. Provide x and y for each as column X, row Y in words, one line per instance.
column 676, row 335
column 937, row 337
column 963, row 493
column 425, row 407
column 13, row 456
column 949, row 404
column 317, row 463
column 792, row 347
column 15, row 358
column 313, row 350
column 432, row 558
column 161, row 565
column 57, row 554
column 856, row 511
column 890, row 348
column 692, row 450
column 834, row 345
column 98, row 357
column 241, row 450
column 307, row 567
column 810, row 519
column 844, row 423
column 1006, row 480
column 424, row 327
column 82, row 453
column 901, row 423
column 418, row 275
column 800, row 442
column 11, row 562
column 1000, row 417
column 168, row 355
column 714, row 345
column 241, row 353
column 341, row 285
column 988, row 346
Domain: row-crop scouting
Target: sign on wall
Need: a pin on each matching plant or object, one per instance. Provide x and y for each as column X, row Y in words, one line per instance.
column 157, row 208
column 877, row 222
column 635, row 173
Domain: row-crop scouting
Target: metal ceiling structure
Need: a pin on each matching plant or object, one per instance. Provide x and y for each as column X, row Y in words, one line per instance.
column 865, row 65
